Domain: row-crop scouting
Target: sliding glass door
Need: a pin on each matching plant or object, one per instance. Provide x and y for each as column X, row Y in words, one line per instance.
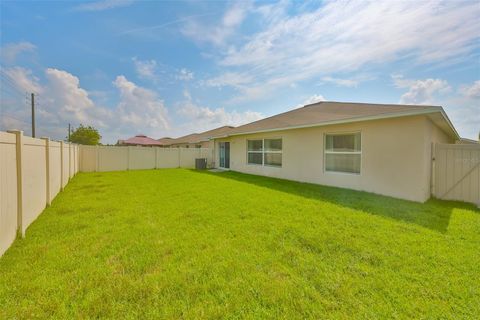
column 224, row 149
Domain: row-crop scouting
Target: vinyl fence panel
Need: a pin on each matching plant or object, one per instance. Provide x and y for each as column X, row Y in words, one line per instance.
column 54, row 172
column 168, row 157
column 112, row 159
column 88, row 158
column 65, row 164
column 119, row 158
column 8, row 190
column 32, row 172
column 457, row 172
column 34, row 180
column 141, row 158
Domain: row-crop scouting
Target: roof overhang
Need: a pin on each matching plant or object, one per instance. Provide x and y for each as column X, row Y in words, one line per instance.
column 442, row 121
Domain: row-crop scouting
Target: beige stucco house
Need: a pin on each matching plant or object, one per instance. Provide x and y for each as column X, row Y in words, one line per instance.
column 385, row 149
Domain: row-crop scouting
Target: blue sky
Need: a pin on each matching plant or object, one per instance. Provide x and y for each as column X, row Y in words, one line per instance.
column 171, row 68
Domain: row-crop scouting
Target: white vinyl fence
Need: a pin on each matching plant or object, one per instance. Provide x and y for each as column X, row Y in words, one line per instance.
column 115, row 158
column 457, row 172
column 32, row 172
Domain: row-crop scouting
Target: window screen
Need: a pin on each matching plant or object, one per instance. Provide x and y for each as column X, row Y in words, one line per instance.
column 265, row 152
column 255, row 145
column 343, row 153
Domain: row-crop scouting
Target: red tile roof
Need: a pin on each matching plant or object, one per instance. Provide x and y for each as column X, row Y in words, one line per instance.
column 141, row 140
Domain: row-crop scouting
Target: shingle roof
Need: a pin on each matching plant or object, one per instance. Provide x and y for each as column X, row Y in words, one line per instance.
column 327, row 112
column 141, row 140
column 189, row 138
column 165, row 140
column 201, row 137
column 206, row 135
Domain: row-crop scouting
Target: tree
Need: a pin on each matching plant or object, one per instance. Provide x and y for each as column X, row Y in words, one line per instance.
column 85, row 135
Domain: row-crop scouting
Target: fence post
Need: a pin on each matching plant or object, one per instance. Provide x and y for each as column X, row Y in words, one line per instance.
column 74, row 158
column 19, row 149
column 47, row 168
column 75, row 167
column 156, row 157
column 128, row 157
column 61, row 165
column 69, row 160
column 97, row 156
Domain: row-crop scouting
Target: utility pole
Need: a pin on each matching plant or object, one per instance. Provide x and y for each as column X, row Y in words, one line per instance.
column 33, row 114
column 69, row 132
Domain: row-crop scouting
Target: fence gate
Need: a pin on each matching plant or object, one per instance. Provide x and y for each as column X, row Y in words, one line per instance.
column 456, row 172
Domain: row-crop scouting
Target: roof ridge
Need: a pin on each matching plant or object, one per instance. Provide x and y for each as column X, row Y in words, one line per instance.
column 374, row 104
column 281, row 113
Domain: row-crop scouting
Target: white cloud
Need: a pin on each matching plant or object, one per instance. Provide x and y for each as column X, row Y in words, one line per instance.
column 67, row 99
column 461, row 106
column 145, row 69
column 204, row 118
column 185, row 75
column 103, row 5
column 314, row 99
column 140, row 107
column 472, row 91
column 62, row 100
column 464, row 115
column 10, row 51
column 233, row 79
column 310, row 100
column 217, row 34
column 343, row 36
column 420, row 91
column 24, row 79
column 341, row 82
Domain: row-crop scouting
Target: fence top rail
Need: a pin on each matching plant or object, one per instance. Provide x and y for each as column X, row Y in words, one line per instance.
column 54, row 144
column 144, row 148
column 33, row 141
column 7, row 138
column 458, row 146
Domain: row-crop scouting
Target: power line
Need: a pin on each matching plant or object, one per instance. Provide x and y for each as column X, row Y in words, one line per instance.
column 15, row 118
column 6, row 92
column 14, row 90
column 8, row 80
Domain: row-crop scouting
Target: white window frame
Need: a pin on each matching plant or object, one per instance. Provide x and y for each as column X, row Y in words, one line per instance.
column 325, row 152
column 263, row 152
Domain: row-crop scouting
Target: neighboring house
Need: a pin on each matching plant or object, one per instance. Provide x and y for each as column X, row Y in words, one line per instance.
column 165, row 141
column 198, row 140
column 188, row 141
column 140, row 140
column 385, row 149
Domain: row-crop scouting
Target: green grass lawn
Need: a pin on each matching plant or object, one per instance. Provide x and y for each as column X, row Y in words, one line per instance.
column 178, row 243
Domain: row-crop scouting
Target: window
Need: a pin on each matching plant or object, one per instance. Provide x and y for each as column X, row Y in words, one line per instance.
column 266, row 152
column 343, row 153
column 255, row 152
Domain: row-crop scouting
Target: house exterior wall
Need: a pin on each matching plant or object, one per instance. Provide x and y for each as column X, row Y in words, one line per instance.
column 202, row 144
column 395, row 158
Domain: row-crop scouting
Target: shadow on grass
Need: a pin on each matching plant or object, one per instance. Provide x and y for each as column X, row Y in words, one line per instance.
column 433, row 214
